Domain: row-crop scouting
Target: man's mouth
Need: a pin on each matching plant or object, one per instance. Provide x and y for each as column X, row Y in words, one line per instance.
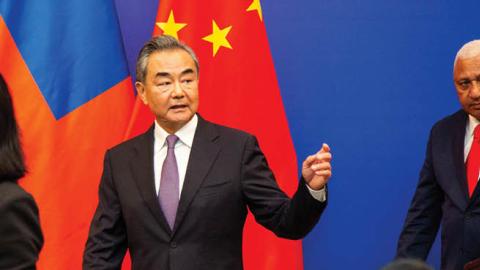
column 179, row 106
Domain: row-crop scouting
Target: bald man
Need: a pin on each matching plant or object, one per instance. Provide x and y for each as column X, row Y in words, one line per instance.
column 447, row 193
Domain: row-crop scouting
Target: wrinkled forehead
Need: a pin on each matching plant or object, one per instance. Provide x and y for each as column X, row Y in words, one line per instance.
column 171, row 61
column 467, row 68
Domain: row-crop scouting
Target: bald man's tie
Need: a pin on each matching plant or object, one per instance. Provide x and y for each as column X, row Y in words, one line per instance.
column 169, row 182
column 473, row 161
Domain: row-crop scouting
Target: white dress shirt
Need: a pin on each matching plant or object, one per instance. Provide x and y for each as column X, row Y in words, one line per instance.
column 182, row 153
column 182, row 150
column 471, row 125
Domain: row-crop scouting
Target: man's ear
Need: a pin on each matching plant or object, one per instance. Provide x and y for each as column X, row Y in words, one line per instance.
column 141, row 92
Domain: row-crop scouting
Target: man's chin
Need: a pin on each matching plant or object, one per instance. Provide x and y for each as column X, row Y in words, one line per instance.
column 181, row 119
column 475, row 113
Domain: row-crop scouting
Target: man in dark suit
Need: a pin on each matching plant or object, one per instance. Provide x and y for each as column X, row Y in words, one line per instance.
column 447, row 192
column 177, row 196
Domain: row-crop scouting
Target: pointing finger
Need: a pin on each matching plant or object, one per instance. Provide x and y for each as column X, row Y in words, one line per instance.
column 325, row 148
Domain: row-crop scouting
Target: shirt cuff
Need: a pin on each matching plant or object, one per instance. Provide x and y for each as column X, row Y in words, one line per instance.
column 319, row 195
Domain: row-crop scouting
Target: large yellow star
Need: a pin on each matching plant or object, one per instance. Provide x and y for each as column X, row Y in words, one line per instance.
column 255, row 5
column 171, row 27
column 218, row 37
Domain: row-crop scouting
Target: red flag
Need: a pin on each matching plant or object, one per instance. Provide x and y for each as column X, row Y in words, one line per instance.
column 73, row 99
column 238, row 88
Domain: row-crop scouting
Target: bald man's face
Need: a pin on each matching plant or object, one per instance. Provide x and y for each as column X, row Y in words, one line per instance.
column 466, row 76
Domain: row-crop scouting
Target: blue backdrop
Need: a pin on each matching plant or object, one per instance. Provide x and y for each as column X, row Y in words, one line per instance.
column 370, row 78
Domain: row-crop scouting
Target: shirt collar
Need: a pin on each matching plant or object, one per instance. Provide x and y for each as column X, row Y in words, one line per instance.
column 472, row 123
column 184, row 134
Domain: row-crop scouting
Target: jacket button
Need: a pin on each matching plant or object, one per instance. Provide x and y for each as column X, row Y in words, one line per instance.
column 173, row 244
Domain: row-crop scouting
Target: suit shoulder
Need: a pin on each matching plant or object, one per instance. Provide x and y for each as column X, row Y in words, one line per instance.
column 11, row 192
column 16, row 202
column 20, row 219
column 130, row 143
column 232, row 133
column 455, row 120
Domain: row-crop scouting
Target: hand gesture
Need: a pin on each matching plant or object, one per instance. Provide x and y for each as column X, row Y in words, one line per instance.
column 316, row 169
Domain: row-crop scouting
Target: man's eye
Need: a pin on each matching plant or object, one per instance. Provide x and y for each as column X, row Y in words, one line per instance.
column 163, row 83
column 465, row 83
column 187, row 82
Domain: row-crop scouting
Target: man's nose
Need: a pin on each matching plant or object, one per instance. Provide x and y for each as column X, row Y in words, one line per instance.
column 475, row 91
column 177, row 89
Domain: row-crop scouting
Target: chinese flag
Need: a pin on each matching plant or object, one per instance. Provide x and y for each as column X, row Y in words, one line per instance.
column 238, row 88
column 65, row 67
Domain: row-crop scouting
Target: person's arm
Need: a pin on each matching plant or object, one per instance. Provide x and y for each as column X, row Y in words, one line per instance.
column 20, row 235
column 107, row 241
column 423, row 218
column 287, row 218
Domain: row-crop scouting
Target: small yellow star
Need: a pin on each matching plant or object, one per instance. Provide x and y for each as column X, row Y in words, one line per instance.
column 170, row 27
column 218, row 37
column 255, row 5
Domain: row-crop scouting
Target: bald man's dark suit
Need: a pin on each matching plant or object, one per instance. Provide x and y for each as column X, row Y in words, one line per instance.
column 226, row 173
column 442, row 198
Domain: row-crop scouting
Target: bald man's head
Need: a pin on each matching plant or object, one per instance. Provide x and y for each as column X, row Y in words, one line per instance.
column 466, row 76
column 469, row 50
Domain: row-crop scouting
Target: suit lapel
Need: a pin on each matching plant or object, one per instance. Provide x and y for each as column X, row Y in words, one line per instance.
column 142, row 167
column 475, row 196
column 459, row 191
column 202, row 156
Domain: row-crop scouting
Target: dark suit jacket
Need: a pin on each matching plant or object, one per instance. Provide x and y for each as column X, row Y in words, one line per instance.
column 20, row 235
column 442, row 198
column 226, row 173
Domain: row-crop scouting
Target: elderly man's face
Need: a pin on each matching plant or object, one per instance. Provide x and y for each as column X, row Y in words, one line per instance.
column 170, row 88
column 467, row 82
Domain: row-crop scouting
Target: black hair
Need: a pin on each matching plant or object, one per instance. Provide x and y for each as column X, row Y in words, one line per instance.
column 12, row 164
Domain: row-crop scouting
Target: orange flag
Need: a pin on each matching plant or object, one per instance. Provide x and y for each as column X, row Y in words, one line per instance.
column 238, row 88
column 65, row 66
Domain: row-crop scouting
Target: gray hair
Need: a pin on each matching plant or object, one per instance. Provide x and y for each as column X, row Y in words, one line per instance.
column 469, row 50
column 159, row 44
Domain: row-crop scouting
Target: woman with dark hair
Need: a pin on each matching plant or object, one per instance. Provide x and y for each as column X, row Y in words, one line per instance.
column 20, row 234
